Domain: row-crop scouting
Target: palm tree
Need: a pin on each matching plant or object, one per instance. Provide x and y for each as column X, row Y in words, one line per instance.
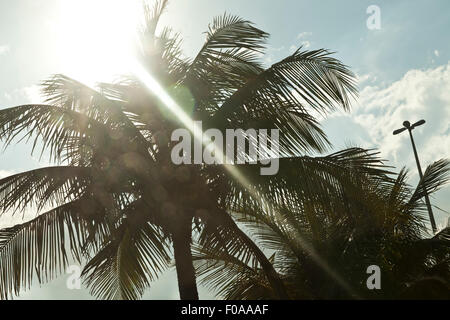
column 118, row 202
column 323, row 244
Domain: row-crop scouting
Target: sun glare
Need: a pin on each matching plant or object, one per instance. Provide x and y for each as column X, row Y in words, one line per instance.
column 98, row 37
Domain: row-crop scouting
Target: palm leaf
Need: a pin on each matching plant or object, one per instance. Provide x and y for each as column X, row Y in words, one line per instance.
column 127, row 263
column 436, row 175
column 40, row 248
column 43, row 187
column 226, row 61
column 281, row 94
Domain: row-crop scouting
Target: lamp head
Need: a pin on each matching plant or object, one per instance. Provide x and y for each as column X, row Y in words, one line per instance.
column 398, row 131
column 418, row 123
column 406, row 124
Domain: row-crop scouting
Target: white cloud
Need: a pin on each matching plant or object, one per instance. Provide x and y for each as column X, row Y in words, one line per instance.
column 5, row 173
column 30, row 94
column 275, row 49
column 436, row 53
column 306, row 44
column 272, row 54
column 304, row 35
column 33, row 94
column 4, row 49
column 420, row 94
column 365, row 78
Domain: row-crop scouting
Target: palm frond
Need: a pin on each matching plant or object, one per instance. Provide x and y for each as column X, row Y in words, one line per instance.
column 70, row 94
column 229, row 277
column 132, row 258
column 299, row 179
column 53, row 125
column 282, row 94
column 436, row 175
column 42, row 187
column 39, row 248
column 226, row 61
column 152, row 16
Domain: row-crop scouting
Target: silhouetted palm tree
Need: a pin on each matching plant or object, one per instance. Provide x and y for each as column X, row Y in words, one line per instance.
column 324, row 240
column 119, row 202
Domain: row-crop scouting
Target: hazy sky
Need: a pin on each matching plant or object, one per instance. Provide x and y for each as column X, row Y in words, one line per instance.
column 403, row 68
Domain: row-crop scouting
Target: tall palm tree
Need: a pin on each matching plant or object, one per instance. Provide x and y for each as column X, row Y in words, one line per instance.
column 323, row 245
column 118, row 202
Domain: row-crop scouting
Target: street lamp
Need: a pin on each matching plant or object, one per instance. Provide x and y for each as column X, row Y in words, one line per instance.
column 409, row 127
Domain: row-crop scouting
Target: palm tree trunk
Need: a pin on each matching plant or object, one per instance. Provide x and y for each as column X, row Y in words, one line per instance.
column 182, row 237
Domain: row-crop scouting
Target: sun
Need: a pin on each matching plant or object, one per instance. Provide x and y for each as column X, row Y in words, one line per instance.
column 98, row 38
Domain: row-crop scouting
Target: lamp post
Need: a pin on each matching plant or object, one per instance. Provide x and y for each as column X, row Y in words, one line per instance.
column 409, row 127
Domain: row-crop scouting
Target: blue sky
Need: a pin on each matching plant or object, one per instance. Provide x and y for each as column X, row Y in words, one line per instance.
column 403, row 68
